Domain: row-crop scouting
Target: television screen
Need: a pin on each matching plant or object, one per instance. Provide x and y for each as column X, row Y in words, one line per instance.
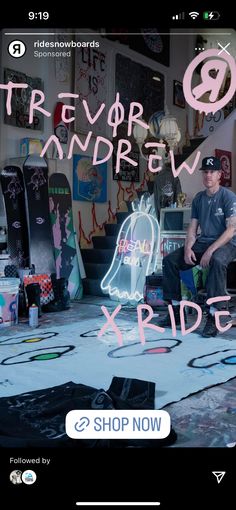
column 173, row 220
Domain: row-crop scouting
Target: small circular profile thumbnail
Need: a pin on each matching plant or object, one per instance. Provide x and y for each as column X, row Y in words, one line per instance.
column 29, row 477
column 16, row 477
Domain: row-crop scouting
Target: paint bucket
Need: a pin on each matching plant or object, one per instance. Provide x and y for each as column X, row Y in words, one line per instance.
column 153, row 291
column 9, row 292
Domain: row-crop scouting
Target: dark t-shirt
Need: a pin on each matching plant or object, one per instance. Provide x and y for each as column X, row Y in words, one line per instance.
column 211, row 213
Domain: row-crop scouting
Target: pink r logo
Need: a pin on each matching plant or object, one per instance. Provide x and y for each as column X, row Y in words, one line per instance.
column 209, row 84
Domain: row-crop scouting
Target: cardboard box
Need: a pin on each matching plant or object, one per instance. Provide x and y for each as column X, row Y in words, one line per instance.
column 31, row 146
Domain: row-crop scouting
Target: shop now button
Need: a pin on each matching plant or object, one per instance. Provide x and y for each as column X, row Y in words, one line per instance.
column 113, row 424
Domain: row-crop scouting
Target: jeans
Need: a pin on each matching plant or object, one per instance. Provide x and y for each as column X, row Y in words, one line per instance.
column 216, row 279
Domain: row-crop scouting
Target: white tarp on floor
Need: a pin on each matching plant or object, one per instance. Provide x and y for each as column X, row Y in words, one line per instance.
column 178, row 365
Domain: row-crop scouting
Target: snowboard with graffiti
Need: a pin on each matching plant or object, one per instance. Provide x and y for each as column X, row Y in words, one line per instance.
column 35, row 172
column 65, row 252
column 13, row 191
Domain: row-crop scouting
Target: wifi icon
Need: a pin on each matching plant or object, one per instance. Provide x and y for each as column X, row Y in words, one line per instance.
column 193, row 14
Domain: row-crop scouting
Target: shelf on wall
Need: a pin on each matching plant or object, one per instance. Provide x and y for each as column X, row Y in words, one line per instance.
column 8, row 161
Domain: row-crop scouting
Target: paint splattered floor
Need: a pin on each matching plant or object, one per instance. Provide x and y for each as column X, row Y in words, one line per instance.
column 205, row 419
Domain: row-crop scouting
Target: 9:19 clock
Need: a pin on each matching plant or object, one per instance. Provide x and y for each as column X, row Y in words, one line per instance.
column 38, row 15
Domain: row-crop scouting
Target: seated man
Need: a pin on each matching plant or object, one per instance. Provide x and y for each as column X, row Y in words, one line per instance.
column 214, row 210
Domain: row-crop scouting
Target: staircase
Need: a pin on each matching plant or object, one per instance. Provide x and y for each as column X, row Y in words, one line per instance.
column 187, row 150
column 97, row 261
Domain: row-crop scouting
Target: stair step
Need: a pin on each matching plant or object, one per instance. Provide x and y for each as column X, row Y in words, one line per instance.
column 92, row 287
column 121, row 216
column 129, row 206
column 187, row 151
column 150, row 187
column 179, row 158
column 195, row 142
column 140, row 193
column 101, row 242
column 94, row 270
column 112, row 229
column 103, row 256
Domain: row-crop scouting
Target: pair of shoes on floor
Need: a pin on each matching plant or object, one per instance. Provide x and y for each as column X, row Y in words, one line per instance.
column 210, row 329
column 165, row 321
column 61, row 295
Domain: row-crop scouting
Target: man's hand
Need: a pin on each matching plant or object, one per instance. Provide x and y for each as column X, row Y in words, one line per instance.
column 189, row 256
column 205, row 260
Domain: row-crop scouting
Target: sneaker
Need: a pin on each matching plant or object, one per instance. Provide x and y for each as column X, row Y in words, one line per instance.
column 210, row 328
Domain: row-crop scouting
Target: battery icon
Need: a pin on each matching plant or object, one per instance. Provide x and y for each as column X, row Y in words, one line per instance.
column 211, row 15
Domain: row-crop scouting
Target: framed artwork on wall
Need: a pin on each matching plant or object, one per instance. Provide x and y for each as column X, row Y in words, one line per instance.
column 226, row 167
column 21, row 101
column 89, row 181
column 178, row 94
column 127, row 172
column 91, row 84
column 140, row 86
column 154, row 43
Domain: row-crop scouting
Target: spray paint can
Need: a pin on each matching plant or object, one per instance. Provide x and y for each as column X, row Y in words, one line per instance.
column 33, row 316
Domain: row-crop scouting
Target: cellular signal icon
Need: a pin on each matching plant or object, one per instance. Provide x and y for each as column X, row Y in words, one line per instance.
column 181, row 15
column 193, row 14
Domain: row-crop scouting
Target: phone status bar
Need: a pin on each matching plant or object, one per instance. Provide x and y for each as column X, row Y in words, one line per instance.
column 29, row 18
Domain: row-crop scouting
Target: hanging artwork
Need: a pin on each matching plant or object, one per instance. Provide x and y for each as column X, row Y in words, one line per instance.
column 140, row 86
column 21, row 100
column 178, row 94
column 127, row 172
column 61, row 129
column 230, row 105
column 91, row 83
column 210, row 122
column 226, row 167
column 151, row 42
column 62, row 63
column 89, row 181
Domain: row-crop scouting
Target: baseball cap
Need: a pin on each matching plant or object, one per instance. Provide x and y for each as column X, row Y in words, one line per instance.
column 211, row 163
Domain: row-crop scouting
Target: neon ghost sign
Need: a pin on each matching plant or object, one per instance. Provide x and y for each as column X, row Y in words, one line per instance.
column 131, row 248
column 135, row 255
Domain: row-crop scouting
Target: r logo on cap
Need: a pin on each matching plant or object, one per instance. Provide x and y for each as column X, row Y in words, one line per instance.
column 209, row 161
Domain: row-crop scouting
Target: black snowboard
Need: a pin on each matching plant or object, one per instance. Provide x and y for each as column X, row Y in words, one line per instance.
column 35, row 172
column 17, row 231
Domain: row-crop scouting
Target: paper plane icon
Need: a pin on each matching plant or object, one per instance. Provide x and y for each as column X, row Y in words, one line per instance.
column 219, row 475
